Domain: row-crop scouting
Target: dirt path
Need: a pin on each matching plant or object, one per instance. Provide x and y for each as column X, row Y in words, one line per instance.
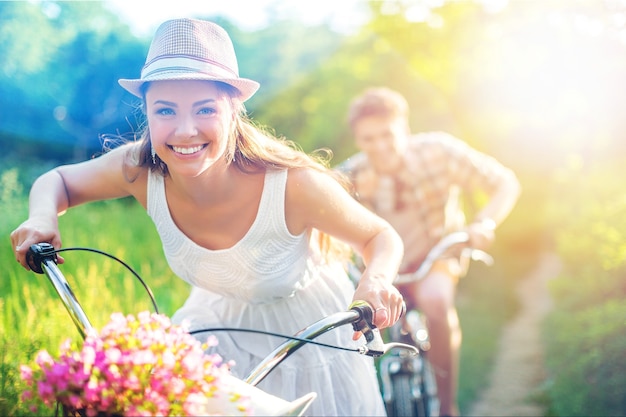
column 519, row 369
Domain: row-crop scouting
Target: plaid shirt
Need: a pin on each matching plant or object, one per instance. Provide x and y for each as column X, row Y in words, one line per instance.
column 423, row 199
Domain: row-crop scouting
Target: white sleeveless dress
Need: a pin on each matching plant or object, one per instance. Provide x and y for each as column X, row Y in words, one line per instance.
column 271, row 280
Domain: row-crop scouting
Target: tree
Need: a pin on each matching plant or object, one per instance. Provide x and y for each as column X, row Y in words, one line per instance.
column 68, row 91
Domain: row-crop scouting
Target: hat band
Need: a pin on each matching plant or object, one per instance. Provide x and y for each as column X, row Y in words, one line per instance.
column 185, row 65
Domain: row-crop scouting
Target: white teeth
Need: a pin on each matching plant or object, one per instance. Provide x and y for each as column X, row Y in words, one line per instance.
column 187, row 151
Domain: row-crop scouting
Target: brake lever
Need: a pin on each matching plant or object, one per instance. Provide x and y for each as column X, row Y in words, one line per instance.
column 397, row 345
column 479, row 255
column 374, row 345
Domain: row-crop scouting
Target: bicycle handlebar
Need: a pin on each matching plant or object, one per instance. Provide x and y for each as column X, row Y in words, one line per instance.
column 42, row 259
column 446, row 242
column 360, row 314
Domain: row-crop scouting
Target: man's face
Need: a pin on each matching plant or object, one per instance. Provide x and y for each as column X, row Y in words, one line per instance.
column 383, row 139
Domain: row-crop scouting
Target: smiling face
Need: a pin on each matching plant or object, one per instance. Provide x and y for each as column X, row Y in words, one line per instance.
column 189, row 124
column 383, row 139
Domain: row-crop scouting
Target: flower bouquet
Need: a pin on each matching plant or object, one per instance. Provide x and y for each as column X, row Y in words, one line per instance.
column 141, row 366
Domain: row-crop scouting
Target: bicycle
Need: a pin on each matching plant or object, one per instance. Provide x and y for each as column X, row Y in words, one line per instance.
column 42, row 259
column 408, row 382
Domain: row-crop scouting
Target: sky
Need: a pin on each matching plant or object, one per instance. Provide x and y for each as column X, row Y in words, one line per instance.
column 144, row 17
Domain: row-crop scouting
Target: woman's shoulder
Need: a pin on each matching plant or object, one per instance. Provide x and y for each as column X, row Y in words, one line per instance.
column 129, row 156
column 306, row 176
column 309, row 186
column 132, row 175
column 127, row 153
column 299, row 182
column 308, row 193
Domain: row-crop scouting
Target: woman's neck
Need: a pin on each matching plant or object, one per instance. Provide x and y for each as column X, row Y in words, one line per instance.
column 212, row 186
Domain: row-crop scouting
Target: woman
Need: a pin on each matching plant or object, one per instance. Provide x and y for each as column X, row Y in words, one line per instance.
column 245, row 218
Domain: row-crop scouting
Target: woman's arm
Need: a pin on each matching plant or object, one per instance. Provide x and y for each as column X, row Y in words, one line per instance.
column 316, row 200
column 67, row 186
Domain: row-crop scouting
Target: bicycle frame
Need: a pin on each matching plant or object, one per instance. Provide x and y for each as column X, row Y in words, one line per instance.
column 437, row 251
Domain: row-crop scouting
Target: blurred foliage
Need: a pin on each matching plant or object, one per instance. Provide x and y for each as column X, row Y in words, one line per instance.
column 57, row 83
column 585, row 333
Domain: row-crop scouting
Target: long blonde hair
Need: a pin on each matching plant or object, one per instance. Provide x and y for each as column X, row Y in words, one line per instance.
column 253, row 148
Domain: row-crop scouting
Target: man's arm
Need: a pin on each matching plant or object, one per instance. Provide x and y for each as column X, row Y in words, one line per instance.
column 501, row 202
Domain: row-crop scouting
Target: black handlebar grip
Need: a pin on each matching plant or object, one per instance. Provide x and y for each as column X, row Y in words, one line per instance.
column 37, row 253
column 365, row 310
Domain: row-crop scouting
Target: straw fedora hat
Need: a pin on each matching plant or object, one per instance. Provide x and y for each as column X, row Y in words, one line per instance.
column 190, row 49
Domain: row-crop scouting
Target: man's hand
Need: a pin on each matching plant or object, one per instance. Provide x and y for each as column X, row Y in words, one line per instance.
column 481, row 234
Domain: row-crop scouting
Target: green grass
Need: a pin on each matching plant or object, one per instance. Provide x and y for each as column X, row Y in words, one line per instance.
column 33, row 317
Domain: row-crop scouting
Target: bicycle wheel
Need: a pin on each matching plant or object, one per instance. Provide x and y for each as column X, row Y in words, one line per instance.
column 403, row 402
column 414, row 396
column 429, row 398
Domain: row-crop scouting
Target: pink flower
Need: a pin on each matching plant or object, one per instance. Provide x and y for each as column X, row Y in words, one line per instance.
column 112, row 355
column 132, row 383
column 177, row 386
column 26, row 373
column 45, row 390
column 27, row 395
column 168, row 359
column 144, row 357
column 58, row 374
column 78, row 377
column 140, row 365
column 44, row 358
column 195, row 405
column 88, row 356
column 211, row 341
column 91, row 391
column 75, row 401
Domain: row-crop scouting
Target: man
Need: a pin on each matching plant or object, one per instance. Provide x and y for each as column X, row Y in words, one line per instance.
column 416, row 182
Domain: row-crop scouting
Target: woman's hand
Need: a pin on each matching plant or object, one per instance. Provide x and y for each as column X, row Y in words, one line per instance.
column 383, row 297
column 32, row 231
